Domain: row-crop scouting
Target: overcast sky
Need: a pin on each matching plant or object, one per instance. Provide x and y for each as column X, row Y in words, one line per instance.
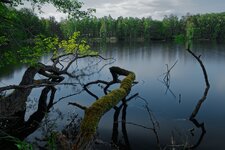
column 157, row 9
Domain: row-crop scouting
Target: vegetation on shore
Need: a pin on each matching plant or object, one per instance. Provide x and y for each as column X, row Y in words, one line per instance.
column 206, row 27
column 16, row 29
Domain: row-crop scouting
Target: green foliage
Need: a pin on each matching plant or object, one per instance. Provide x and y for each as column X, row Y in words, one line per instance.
column 3, row 40
column 179, row 38
column 17, row 28
column 171, row 26
column 73, row 45
column 22, row 145
column 103, row 31
column 189, row 33
column 72, row 7
column 206, row 26
column 31, row 55
column 24, row 25
column 52, row 141
column 190, row 30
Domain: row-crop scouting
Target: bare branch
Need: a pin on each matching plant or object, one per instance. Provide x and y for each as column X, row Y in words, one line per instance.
column 78, row 105
column 200, row 102
column 135, row 124
column 202, row 66
column 11, row 87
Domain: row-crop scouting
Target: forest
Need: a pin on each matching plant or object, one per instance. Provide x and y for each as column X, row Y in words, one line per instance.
column 60, row 90
column 17, row 30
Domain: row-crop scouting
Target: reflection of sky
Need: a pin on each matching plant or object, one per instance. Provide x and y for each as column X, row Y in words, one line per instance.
column 186, row 79
column 148, row 62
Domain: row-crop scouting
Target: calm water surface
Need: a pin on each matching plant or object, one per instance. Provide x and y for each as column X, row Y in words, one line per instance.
column 170, row 107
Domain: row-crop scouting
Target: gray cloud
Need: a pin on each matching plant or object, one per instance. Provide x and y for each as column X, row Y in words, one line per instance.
column 157, row 9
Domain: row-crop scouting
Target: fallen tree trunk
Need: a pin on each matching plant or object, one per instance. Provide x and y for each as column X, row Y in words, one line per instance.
column 94, row 113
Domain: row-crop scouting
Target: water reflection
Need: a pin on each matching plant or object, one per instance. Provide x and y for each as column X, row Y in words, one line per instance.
column 148, row 62
column 115, row 133
column 15, row 124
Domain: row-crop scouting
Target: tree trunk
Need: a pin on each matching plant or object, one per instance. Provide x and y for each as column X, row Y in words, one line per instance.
column 94, row 113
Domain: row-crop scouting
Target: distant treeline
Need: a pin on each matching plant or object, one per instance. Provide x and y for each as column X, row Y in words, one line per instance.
column 22, row 26
column 206, row 27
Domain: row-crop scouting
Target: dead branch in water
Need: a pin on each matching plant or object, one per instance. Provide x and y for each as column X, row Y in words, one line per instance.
column 166, row 78
column 196, row 110
column 198, row 106
column 200, row 101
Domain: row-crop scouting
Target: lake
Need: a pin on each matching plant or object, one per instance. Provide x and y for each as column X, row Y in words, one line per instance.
column 159, row 115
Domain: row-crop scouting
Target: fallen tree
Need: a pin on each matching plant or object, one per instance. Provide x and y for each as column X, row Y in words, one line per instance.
column 94, row 113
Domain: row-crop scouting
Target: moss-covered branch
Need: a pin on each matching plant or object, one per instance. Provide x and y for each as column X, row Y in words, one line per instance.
column 94, row 113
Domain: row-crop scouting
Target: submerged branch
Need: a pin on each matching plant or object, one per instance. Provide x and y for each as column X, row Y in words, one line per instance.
column 200, row 102
column 198, row 106
column 135, row 124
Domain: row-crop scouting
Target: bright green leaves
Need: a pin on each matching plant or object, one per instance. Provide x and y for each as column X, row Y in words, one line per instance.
column 21, row 145
column 84, row 49
column 73, row 45
column 76, row 46
column 70, row 45
column 31, row 55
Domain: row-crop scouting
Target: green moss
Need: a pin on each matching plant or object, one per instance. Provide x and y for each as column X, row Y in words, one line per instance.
column 94, row 113
column 127, row 82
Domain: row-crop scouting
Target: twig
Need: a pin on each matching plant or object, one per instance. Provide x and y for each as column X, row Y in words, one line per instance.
column 135, row 124
column 64, row 97
column 202, row 66
column 35, row 85
column 78, row 105
column 167, row 74
column 153, row 120
column 93, row 82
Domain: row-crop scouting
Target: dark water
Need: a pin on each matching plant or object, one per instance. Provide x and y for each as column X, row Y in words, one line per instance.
column 170, row 108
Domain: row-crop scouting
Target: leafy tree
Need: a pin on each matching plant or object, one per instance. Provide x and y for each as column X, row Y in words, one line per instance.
column 66, row 6
column 171, row 26
column 103, row 30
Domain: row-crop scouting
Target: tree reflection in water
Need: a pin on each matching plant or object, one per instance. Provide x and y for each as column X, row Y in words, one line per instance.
column 13, row 98
column 15, row 125
column 193, row 115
